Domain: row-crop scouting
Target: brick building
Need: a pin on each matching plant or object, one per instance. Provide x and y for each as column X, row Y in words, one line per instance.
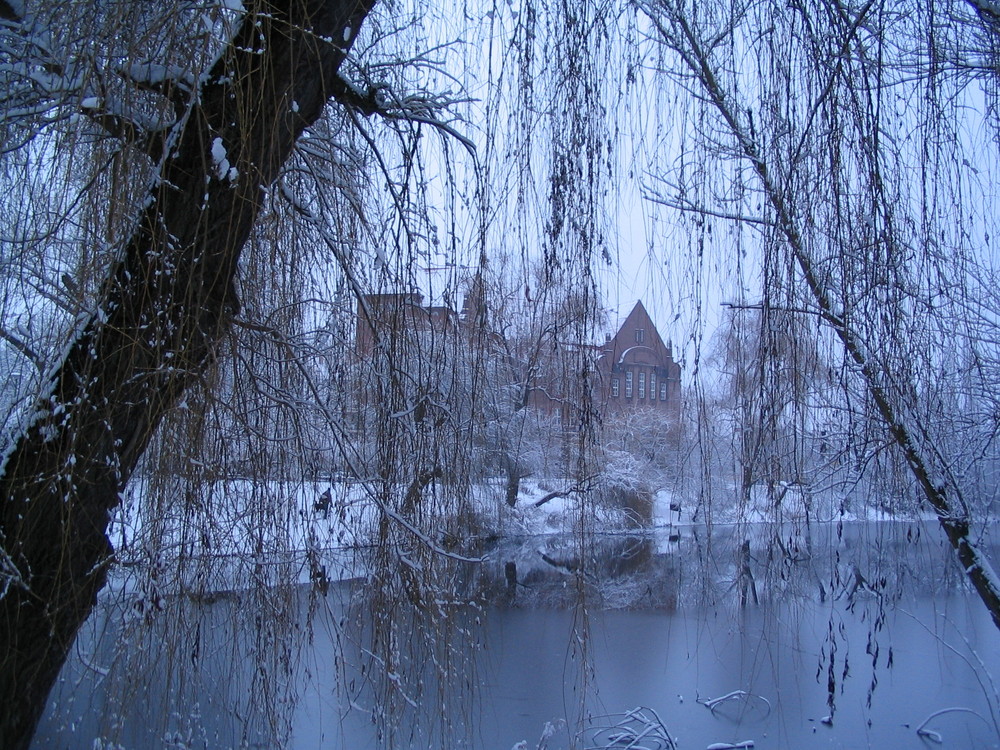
column 404, row 314
column 637, row 370
column 634, row 369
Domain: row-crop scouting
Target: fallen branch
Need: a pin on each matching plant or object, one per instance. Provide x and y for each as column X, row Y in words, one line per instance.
column 554, row 495
column 930, row 734
column 712, row 703
column 583, row 486
column 639, row 728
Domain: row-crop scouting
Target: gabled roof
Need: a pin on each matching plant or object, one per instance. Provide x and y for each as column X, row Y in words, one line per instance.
column 639, row 318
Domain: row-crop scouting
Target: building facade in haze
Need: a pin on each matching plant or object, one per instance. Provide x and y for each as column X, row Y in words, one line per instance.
column 632, row 370
column 637, row 370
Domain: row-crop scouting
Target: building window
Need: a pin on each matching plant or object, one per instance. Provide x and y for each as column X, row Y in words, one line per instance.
column 628, row 384
column 614, row 387
column 652, row 386
column 640, row 335
column 663, row 391
column 642, row 385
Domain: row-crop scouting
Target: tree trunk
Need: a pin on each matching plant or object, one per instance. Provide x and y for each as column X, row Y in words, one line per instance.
column 161, row 313
column 512, row 470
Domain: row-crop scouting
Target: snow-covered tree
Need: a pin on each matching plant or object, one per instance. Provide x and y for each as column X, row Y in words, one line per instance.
column 198, row 197
column 162, row 132
column 799, row 106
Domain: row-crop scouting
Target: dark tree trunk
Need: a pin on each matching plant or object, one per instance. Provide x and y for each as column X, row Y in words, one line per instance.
column 161, row 313
column 513, row 486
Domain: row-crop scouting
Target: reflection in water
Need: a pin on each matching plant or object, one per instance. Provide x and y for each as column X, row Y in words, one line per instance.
column 840, row 636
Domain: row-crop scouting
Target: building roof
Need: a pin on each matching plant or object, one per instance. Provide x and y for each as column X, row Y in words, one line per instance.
column 624, row 339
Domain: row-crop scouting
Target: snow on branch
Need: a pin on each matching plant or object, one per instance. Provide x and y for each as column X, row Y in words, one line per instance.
column 382, row 100
column 21, row 347
column 639, row 728
column 147, row 133
column 177, row 84
column 988, row 12
column 42, row 85
column 737, row 695
column 33, row 81
column 923, row 731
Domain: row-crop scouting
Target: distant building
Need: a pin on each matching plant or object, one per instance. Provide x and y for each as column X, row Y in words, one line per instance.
column 402, row 313
column 634, row 369
column 637, row 368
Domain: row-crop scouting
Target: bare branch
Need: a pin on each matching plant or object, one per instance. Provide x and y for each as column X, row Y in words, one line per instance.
column 383, row 101
column 20, row 346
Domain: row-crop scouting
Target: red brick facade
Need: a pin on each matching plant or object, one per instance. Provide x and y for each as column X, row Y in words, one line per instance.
column 400, row 313
column 634, row 369
column 637, row 369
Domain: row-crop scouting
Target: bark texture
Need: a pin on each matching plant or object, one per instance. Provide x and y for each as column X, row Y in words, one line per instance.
column 164, row 308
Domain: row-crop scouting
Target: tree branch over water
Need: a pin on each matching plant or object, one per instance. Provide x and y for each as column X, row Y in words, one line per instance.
column 160, row 314
column 891, row 393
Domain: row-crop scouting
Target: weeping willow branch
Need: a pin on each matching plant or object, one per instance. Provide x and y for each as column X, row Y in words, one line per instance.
column 925, row 463
column 161, row 314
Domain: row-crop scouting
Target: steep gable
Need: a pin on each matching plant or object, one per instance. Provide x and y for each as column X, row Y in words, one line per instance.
column 636, row 333
column 637, row 367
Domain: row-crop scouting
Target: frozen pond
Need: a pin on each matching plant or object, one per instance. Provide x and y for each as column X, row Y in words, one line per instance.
column 867, row 627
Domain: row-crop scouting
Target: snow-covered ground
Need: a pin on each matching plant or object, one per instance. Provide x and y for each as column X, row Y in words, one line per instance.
column 314, row 528
column 797, row 503
column 237, row 517
column 232, row 525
